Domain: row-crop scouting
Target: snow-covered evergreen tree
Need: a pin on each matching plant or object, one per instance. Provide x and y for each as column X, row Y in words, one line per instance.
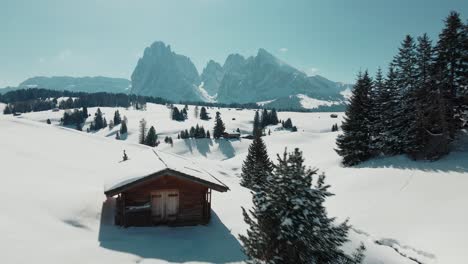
column 451, row 67
column 203, row 114
column 219, row 127
column 151, row 138
column 123, row 127
column 257, row 127
column 376, row 115
column 354, row 145
column 117, row 118
column 289, row 223
column 257, row 165
column 142, row 135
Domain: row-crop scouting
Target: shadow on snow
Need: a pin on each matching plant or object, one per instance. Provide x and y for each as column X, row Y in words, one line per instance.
column 210, row 243
column 454, row 162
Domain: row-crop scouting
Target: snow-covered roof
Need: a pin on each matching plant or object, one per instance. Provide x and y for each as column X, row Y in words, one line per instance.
column 153, row 163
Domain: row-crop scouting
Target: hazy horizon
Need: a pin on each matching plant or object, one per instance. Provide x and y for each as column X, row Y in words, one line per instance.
column 106, row 38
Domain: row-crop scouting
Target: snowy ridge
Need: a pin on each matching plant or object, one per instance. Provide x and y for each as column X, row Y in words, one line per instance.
column 312, row 103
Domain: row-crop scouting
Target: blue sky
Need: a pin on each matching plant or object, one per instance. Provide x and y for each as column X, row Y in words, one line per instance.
column 106, row 37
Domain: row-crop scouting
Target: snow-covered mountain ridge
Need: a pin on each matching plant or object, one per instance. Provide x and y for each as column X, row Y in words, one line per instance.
column 161, row 72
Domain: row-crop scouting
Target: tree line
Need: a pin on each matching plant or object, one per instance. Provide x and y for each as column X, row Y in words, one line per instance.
column 418, row 107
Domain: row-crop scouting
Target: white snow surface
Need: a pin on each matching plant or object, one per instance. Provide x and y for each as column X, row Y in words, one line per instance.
column 312, row 103
column 54, row 209
column 152, row 161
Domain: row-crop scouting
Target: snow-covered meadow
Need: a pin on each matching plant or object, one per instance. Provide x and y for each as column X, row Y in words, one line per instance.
column 54, row 209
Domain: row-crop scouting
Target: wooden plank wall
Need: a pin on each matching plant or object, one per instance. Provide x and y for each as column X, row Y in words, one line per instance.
column 192, row 200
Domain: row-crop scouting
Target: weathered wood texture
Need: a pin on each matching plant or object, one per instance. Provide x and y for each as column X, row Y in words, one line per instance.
column 194, row 202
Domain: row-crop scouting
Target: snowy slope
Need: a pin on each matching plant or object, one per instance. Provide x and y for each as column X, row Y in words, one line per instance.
column 412, row 209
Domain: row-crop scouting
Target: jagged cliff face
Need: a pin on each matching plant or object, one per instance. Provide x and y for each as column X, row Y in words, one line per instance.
column 264, row 77
column 163, row 73
column 211, row 77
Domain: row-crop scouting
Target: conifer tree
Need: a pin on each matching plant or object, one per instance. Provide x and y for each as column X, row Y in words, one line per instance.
column 354, row 143
column 142, row 135
column 7, row 110
column 274, row 117
column 405, row 69
column 151, row 137
column 257, row 128
column 289, row 223
column 85, row 112
column 265, row 119
column 123, row 127
column 208, row 134
column 98, row 120
column 417, row 137
column 203, row 114
column 389, row 100
column 117, row 119
column 375, row 113
column 219, row 127
column 257, row 165
column 451, row 67
column 288, row 124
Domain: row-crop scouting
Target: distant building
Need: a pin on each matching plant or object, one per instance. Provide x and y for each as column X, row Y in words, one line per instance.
column 233, row 135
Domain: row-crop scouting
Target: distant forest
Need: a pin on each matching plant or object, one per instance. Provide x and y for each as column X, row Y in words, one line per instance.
column 37, row 99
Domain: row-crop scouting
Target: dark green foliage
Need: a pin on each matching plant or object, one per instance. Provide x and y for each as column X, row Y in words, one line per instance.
column 334, row 128
column 450, row 67
column 257, row 165
column 142, row 135
column 117, row 119
column 288, row 223
column 179, row 115
column 287, row 124
column 257, row 127
column 123, row 127
column 354, row 143
column 32, row 100
column 168, row 140
column 98, row 122
column 269, row 118
column 151, row 138
column 219, row 127
column 75, row 118
column 419, row 107
column 7, row 110
column 204, row 114
column 48, row 121
column 194, row 132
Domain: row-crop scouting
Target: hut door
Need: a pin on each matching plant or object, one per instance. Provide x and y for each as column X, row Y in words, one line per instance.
column 157, row 206
column 172, row 204
column 164, row 205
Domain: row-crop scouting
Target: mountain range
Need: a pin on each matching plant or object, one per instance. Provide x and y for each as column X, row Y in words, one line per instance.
column 263, row 77
column 160, row 72
column 75, row 84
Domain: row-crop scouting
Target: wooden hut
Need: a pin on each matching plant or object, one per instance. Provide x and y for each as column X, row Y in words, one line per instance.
column 177, row 194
